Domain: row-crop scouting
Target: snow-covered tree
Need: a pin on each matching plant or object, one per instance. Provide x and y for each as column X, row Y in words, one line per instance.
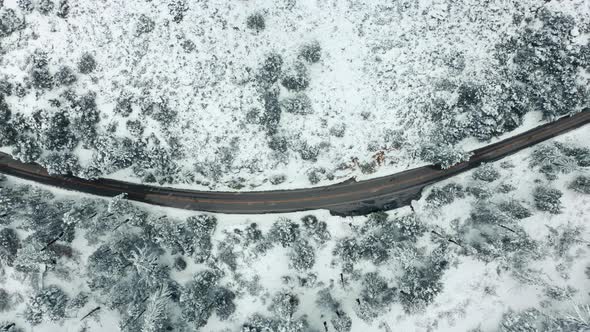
column 49, row 304
column 548, row 199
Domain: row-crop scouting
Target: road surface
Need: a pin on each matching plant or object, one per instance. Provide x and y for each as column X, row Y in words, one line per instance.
column 345, row 199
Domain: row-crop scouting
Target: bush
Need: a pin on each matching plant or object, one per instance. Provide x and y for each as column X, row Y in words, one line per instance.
column 284, row 305
column 296, row 77
column 443, row 155
column 86, row 64
column 63, row 9
column 550, row 160
column 10, row 22
column 284, row 231
column 298, row 104
column 278, row 143
column 61, row 163
column 177, row 8
column 375, row 297
column 302, row 256
column 5, row 301
column 515, row 209
column 486, row 173
column 440, row 196
column 311, row 52
column 255, row 22
column 272, row 114
column 581, row 184
column 420, row 285
column 26, row 149
column 202, row 296
column 124, row 105
column 48, row 304
column 25, row 5
column 309, row 152
column 179, row 264
column 135, row 127
column 271, row 68
column 45, row 6
column 55, row 133
column 9, row 245
column 548, row 199
column 144, row 25
column 65, row 76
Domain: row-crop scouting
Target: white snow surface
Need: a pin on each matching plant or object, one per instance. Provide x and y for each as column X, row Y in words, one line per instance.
column 380, row 63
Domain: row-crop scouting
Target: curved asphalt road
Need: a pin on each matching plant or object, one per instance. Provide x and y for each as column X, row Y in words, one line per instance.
column 346, row 199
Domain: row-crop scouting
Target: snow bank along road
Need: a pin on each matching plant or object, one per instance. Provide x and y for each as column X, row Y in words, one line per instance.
column 347, row 198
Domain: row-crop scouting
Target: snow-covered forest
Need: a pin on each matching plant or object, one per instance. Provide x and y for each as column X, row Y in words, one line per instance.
column 242, row 95
column 501, row 248
column 261, row 95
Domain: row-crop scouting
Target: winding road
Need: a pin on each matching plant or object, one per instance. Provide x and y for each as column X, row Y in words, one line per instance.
column 346, row 199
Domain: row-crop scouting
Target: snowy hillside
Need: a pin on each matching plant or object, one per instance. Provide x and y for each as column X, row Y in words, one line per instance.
column 279, row 94
column 500, row 248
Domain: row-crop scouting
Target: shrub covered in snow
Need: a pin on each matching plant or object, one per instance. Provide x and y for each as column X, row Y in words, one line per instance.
column 548, row 199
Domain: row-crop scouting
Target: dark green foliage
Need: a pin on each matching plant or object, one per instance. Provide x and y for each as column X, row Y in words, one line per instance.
column 5, row 87
column 7, row 132
column 191, row 238
column 368, row 167
column 9, row 22
column 479, row 191
column 86, row 64
column 551, row 160
column 419, row 285
column 349, row 251
column 272, row 112
column 270, row 70
column 341, row 322
column 284, row 305
column 444, row 195
column 581, row 184
column 124, row 106
column 297, row 104
column 256, row 22
column 311, row 52
column 525, row 321
column 26, row 149
column 284, row 231
column 487, row 213
column 49, row 304
column 486, row 173
column 179, row 263
column 63, row 9
column 581, row 155
column 278, row 143
column 144, row 25
column 302, row 256
column 548, row 199
column 135, row 127
column 315, row 229
column 159, row 111
column 45, row 6
column 61, row 163
column 515, row 209
column 9, row 245
column 55, row 133
column 25, row 5
column 177, row 9
column 40, row 76
column 65, row 76
column 375, row 297
column 545, row 58
column 202, row 296
column 443, row 155
column 309, row 152
column 5, row 301
column 296, row 77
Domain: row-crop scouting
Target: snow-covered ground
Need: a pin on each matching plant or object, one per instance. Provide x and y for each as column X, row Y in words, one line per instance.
column 382, row 67
column 533, row 271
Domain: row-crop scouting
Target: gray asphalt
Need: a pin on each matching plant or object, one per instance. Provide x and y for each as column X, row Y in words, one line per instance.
column 345, row 199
